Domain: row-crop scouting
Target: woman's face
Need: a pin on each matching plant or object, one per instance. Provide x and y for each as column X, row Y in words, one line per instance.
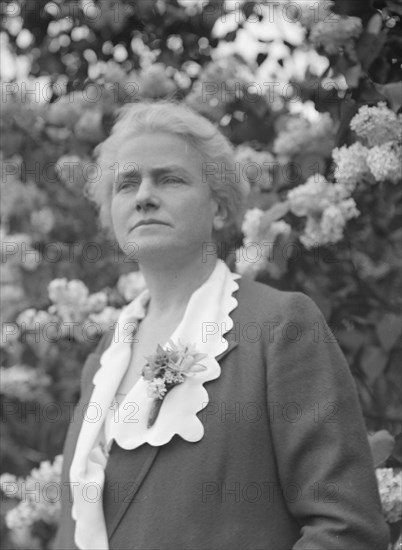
column 159, row 185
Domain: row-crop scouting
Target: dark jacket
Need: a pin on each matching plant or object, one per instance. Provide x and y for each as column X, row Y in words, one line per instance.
column 284, row 462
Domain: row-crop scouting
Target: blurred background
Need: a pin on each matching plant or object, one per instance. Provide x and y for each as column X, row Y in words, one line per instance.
column 310, row 95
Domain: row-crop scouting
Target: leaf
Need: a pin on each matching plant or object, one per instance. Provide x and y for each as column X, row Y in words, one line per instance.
column 381, row 446
column 199, row 356
column 197, row 368
column 389, row 330
column 369, row 47
column 351, row 339
column 397, row 452
column 393, row 93
column 373, row 361
column 394, row 5
column 352, row 75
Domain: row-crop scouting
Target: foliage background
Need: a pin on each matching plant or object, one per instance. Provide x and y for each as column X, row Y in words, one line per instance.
column 67, row 66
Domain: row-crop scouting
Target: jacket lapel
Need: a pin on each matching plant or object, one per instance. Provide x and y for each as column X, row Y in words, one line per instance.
column 125, row 465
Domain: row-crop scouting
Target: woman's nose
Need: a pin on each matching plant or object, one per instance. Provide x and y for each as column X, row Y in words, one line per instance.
column 146, row 197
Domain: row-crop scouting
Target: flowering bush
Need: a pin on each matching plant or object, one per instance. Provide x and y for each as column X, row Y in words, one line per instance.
column 390, row 486
column 35, row 519
column 327, row 207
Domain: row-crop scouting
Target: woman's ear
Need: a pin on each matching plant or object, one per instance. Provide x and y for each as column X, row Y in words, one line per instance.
column 220, row 216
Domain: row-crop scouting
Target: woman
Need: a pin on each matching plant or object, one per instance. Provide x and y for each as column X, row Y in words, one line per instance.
column 261, row 443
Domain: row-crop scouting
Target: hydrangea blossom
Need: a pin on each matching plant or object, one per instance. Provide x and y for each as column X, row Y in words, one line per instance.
column 156, row 81
column 250, row 268
column 69, row 299
column 43, row 220
column 39, row 494
column 302, row 135
column 96, row 302
column 33, row 319
column 309, row 12
column 62, row 291
column 384, row 162
column 66, row 110
column 390, row 487
column 260, row 235
column 351, row 165
column 89, row 126
column 71, row 170
column 377, row 125
column 251, row 224
column 23, row 382
column 257, row 166
column 336, row 34
column 327, row 206
column 221, row 82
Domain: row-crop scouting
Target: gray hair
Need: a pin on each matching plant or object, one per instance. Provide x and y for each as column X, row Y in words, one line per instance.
column 228, row 185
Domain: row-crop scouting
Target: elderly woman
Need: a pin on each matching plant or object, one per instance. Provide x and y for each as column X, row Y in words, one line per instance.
column 191, row 431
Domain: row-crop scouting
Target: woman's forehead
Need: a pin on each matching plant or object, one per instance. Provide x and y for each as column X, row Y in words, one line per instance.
column 159, row 150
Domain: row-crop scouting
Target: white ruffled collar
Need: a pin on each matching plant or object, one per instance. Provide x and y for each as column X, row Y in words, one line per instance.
column 205, row 321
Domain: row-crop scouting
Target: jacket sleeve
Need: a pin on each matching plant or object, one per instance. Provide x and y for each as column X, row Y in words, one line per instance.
column 321, row 446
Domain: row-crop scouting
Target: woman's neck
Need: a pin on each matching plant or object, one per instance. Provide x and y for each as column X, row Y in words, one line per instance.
column 171, row 286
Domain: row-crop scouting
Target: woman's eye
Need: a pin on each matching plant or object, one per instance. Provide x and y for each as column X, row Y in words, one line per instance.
column 126, row 183
column 171, row 180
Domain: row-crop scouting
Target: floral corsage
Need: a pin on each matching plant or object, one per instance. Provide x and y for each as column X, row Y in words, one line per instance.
column 166, row 369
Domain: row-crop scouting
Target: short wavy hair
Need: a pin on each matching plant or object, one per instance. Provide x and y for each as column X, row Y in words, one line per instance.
column 228, row 185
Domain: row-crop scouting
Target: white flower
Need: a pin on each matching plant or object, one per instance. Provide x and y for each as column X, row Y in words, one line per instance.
column 70, row 170
column 304, row 198
column 65, row 111
column 309, row 12
column 63, row 292
column 384, row 162
column 249, row 268
column 14, row 244
column 227, row 80
column 337, row 33
column 40, row 497
column 131, row 285
column 113, row 72
column 252, row 223
column 260, row 237
column 31, row 260
column 69, row 299
column 10, row 485
column 33, row 319
column 302, row 135
column 89, row 127
column 23, row 382
column 22, row 537
column 377, row 125
column 156, row 388
column 351, row 164
column 327, row 206
column 390, row 487
column 43, row 220
column 96, row 302
column 156, row 82
column 279, row 228
column 256, row 166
